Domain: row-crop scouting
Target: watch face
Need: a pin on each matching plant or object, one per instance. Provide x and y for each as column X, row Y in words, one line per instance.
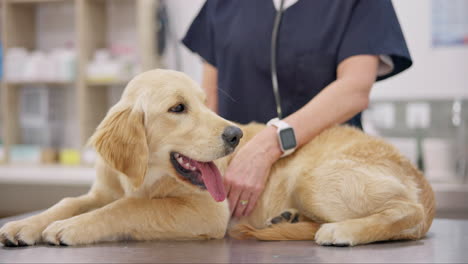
column 288, row 140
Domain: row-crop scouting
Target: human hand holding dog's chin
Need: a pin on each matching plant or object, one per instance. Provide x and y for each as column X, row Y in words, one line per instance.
column 248, row 171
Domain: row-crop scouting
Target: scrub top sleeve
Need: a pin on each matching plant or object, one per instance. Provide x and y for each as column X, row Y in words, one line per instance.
column 374, row 29
column 200, row 35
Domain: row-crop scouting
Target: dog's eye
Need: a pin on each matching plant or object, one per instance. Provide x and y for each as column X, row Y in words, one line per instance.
column 177, row 109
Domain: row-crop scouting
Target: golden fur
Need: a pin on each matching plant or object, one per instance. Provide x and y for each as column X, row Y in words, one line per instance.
column 348, row 187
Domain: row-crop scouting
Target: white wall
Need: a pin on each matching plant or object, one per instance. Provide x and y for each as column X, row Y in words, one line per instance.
column 181, row 13
column 436, row 72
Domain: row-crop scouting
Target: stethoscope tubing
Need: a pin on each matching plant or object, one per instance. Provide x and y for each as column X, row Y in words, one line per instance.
column 273, row 66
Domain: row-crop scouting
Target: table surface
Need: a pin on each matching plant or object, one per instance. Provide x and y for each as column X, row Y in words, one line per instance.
column 445, row 243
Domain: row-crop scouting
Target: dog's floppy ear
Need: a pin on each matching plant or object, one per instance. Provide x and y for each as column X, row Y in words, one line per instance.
column 120, row 139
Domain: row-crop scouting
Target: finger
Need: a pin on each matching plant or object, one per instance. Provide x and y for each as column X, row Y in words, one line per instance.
column 252, row 202
column 233, row 197
column 240, row 208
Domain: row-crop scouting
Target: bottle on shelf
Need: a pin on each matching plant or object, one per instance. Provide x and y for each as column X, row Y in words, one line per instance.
column 58, row 65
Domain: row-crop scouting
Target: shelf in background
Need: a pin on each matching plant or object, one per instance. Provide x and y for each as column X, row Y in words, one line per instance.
column 451, row 196
column 449, row 187
column 46, row 174
column 36, row 1
column 106, row 83
column 27, row 25
column 24, row 83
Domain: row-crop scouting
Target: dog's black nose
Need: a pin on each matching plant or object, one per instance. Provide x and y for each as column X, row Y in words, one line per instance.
column 232, row 136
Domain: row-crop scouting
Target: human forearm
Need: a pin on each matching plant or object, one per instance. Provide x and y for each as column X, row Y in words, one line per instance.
column 210, row 85
column 337, row 103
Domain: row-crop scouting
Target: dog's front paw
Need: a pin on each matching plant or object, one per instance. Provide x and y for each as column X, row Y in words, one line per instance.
column 287, row 216
column 20, row 233
column 335, row 234
column 53, row 233
column 69, row 232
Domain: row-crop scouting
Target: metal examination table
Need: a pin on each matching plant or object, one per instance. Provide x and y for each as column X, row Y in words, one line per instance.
column 445, row 243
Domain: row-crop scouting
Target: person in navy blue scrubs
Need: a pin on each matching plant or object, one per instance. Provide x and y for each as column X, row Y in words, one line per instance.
column 330, row 52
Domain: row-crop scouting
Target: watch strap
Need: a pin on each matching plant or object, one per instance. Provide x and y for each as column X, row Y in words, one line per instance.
column 278, row 123
column 287, row 152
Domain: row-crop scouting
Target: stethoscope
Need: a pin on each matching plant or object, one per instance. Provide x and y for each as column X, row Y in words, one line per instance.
column 274, row 76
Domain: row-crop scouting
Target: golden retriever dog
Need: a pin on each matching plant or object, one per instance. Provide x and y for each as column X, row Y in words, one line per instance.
column 162, row 154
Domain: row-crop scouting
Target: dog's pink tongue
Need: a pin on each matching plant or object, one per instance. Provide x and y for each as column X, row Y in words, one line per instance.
column 212, row 179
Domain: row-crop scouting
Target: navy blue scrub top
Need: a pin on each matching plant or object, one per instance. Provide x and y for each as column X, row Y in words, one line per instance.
column 314, row 37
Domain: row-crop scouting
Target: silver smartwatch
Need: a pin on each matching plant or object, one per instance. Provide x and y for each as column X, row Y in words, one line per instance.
column 286, row 136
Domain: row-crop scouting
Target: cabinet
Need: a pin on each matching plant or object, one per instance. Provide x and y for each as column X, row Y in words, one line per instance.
column 90, row 25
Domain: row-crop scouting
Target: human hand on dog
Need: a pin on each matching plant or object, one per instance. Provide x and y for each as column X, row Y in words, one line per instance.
column 248, row 171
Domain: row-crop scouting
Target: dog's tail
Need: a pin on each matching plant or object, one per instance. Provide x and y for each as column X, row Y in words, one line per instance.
column 282, row 231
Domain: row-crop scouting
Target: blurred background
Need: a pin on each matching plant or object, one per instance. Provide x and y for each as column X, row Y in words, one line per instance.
column 63, row 63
